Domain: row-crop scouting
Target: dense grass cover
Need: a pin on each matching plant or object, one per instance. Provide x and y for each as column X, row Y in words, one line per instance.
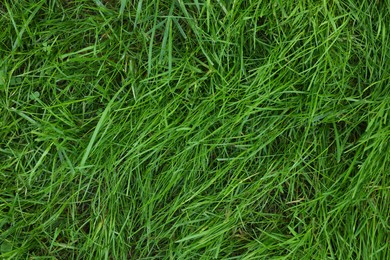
column 194, row 129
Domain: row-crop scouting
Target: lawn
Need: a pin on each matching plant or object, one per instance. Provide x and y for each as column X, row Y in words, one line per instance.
column 194, row 129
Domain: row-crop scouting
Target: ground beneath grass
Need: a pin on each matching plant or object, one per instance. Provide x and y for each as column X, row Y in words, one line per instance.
column 194, row 129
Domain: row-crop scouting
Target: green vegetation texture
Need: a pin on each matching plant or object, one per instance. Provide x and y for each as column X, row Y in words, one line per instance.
column 194, row 129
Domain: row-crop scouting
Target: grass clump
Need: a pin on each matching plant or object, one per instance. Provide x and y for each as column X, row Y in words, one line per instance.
column 194, row 129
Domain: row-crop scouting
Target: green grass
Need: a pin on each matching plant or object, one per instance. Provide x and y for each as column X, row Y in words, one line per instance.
column 202, row 129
